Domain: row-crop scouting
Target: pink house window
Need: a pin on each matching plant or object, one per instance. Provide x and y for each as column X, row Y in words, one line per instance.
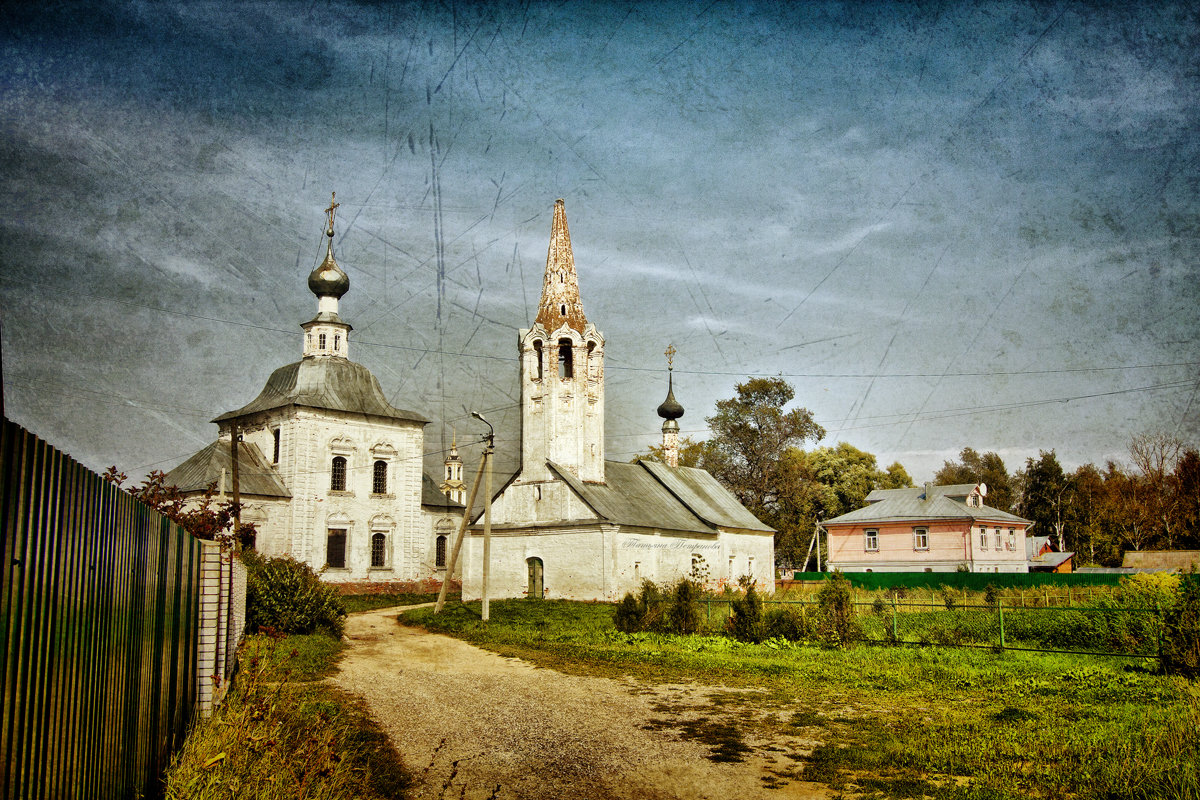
column 871, row 540
column 920, row 538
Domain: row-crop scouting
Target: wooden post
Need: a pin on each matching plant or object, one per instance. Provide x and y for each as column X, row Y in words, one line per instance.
column 1000, row 611
column 462, row 529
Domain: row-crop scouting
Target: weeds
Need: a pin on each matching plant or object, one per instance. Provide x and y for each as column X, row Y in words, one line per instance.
column 279, row 737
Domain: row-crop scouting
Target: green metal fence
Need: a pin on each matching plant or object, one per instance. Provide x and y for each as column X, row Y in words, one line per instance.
column 98, row 630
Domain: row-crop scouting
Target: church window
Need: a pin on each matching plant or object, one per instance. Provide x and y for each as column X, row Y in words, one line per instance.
column 337, row 342
column 592, row 367
column 275, row 452
column 337, row 474
column 537, row 353
column 565, row 367
column 563, row 309
column 440, row 553
column 378, row 549
column 335, row 549
column 321, row 341
column 379, row 478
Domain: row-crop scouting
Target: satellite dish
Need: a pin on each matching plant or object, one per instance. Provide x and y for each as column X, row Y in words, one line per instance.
column 982, row 489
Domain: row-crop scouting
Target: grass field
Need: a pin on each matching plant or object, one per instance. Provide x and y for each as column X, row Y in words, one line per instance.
column 890, row 722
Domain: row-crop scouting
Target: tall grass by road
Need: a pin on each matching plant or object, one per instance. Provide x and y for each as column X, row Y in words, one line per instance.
column 893, row 722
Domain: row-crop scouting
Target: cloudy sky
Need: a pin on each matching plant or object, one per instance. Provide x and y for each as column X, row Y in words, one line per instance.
column 946, row 224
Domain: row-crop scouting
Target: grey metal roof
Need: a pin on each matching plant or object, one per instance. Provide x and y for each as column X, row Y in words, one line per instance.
column 889, row 505
column 1049, row 560
column 331, row 383
column 255, row 476
column 432, row 496
column 705, row 496
column 637, row 495
column 1034, row 544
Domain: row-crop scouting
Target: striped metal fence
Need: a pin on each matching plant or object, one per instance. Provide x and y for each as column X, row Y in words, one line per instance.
column 99, row 626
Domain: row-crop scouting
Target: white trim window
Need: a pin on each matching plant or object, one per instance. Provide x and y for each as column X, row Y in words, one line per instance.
column 982, row 538
column 871, row 540
column 920, row 538
column 1012, row 538
column 996, row 536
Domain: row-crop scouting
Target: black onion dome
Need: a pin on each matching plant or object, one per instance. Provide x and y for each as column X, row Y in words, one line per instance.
column 328, row 280
column 670, row 408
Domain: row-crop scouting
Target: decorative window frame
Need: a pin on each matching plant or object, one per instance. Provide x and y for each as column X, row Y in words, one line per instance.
column 983, row 539
column 336, row 522
column 385, row 525
column 920, row 538
column 385, row 452
column 871, row 540
column 443, row 529
column 344, row 447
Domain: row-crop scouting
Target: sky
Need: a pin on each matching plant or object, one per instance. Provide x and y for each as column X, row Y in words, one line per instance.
column 947, row 225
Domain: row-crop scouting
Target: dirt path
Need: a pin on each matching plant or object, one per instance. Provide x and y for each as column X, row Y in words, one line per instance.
column 473, row 724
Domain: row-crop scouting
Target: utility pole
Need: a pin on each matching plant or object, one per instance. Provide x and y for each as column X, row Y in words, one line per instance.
column 488, row 453
column 484, row 472
column 235, row 435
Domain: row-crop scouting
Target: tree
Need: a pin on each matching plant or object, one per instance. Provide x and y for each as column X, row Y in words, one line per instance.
column 1156, row 456
column 1044, row 495
column 206, row 519
column 751, row 433
column 1084, row 510
column 1187, row 509
column 987, row 468
column 691, row 453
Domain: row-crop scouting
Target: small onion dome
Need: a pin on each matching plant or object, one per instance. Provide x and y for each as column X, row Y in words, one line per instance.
column 328, row 280
column 670, row 408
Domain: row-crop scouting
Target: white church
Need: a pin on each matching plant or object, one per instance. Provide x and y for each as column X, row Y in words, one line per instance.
column 331, row 473
column 571, row 525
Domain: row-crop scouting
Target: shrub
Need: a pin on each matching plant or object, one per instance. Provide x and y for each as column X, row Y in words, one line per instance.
column 645, row 612
column 683, row 611
column 287, row 596
column 1181, row 630
column 792, row 624
column 837, row 611
column 745, row 621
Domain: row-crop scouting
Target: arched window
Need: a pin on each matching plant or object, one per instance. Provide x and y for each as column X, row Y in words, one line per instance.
column 378, row 549
column 537, row 354
column 440, row 553
column 275, row 457
column 337, row 474
column 565, row 367
column 379, row 478
column 591, row 360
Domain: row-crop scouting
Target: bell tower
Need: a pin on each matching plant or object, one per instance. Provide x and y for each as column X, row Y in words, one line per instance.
column 562, row 374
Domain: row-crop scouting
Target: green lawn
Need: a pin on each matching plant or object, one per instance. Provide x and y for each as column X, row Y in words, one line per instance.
column 894, row 721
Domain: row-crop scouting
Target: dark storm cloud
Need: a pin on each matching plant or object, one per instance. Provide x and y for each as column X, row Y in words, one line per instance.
column 948, row 224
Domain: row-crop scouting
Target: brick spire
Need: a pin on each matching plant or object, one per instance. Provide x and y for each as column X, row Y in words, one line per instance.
column 560, row 287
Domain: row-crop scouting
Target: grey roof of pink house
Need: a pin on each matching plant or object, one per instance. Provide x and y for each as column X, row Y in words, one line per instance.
column 904, row 505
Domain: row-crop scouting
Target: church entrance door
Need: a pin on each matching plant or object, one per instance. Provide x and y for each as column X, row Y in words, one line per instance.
column 535, row 578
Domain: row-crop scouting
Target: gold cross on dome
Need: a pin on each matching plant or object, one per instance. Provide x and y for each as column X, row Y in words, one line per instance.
column 670, row 354
column 333, row 204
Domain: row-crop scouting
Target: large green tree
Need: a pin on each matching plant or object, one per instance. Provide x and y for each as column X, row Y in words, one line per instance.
column 1045, row 495
column 986, row 468
column 750, row 434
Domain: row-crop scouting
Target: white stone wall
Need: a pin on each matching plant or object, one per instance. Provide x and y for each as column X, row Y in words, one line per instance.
column 221, row 624
column 603, row 562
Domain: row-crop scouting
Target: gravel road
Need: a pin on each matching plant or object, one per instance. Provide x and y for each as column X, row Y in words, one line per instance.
column 472, row 724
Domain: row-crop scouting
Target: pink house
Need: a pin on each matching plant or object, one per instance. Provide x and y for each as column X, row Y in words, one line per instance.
column 930, row 529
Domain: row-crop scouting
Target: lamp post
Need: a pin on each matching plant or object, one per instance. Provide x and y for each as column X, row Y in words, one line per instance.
column 488, row 452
